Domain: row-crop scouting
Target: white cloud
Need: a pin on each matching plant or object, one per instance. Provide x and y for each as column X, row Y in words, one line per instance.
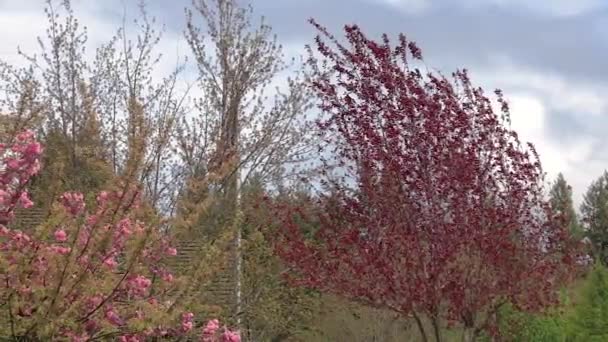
column 562, row 94
column 558, row 8
column 407, row 6
column 532, row 96
column 22, row 22
column 553, row 8
column 14, row 33
column 28, row 16
column 529, row 115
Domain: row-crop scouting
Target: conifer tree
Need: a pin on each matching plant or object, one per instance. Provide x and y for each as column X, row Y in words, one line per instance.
column 594, row 216
column 561, row 201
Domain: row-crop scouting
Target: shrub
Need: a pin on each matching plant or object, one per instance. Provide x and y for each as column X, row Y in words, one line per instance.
column 86, row 273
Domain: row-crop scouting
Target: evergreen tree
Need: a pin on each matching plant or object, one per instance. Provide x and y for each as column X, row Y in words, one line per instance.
column 594, row 211
column 73, row 162
column 561, row 201
column 272, row 310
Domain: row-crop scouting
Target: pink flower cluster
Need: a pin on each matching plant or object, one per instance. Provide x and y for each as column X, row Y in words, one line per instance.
column 139, row 285
column 97, row 239
column 211, row 330
column 18, row 163
column 98, row 242
column 73, row 202
column 187, row 321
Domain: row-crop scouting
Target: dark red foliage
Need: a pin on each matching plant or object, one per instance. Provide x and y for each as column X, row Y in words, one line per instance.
column 440, row 209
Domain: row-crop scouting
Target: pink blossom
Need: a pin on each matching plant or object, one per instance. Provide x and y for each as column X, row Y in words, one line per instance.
column 187, row 323
column 171, row 251
column 139, row 284
column 129, row 338
column 34, row 168
column 25, row 201
column 187, row 326
column 168, row 277
column 231, row 336
column 210, row 330
column 102, row 197
column 92, row 220
column 113, row 317
column 33, row 149
column 25, row 135
column 124, row 227
column 13, row 163
column 110, row 262
column 60, row 249
column 60, row 235
column 21, row 237
column 4, row 196
column 73, row 202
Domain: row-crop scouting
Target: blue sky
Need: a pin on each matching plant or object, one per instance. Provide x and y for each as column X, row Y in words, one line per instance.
column 549, row 56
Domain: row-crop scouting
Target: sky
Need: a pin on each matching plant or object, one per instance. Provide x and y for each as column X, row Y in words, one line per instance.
column 548, row 56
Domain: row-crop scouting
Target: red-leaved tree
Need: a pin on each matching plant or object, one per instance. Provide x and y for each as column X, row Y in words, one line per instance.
column 435, row 209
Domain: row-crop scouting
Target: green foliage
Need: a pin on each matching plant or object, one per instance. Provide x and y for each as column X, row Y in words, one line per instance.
column 581, row 316
column 589, row 320
column 273, row 310
column 594, row 210
column 521, row 326
column 72, row 166
column 561, row 201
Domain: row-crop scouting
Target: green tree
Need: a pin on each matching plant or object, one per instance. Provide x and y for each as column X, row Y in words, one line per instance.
column 272, row 310
column 594, row 216
column 516, row 325
column 561, row 201
column 589, row 321
column 73, row 163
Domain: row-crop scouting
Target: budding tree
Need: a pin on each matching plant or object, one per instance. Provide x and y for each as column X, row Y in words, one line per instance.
column 239, row 130
column 79, row 99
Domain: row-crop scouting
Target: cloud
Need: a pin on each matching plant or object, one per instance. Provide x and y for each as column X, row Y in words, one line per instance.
column 24, row 37
column 534, row 97
column 552, row 8
column 407, row 6
column 529, row 115
column 562, row 93
column 558, row 8
column 22, row 22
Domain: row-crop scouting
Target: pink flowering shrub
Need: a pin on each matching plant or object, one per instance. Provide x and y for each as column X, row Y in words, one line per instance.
column 87, row 273
column 18, row 163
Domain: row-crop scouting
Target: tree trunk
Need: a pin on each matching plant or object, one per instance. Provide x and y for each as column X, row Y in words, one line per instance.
column 468, row 335
column 420, row 327
column 436, row 329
